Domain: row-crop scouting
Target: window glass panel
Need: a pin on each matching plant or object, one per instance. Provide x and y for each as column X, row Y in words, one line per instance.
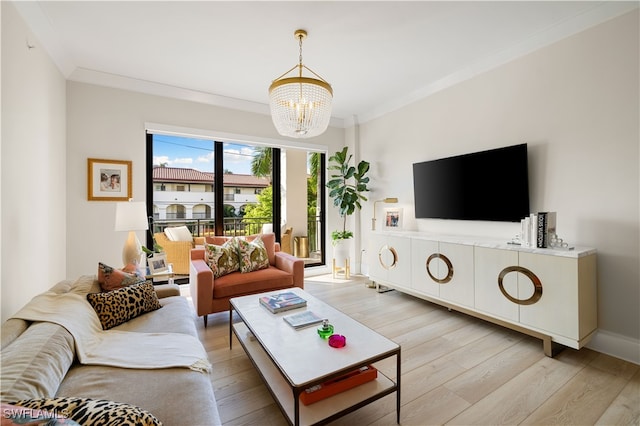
column 183, row 183
column 247, row 181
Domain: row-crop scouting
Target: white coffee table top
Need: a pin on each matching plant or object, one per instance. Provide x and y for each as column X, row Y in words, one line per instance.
column 302, row 355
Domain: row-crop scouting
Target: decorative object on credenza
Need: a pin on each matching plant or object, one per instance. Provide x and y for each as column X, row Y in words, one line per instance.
column 558, row 243
column 388, row 200
column 108, row 180
column 131, row 216
column 538, row 230
column 393, row 219
column 300, row 106
column 545, row 226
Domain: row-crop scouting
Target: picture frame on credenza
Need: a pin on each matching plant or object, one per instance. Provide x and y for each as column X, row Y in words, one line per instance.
column 393, row 218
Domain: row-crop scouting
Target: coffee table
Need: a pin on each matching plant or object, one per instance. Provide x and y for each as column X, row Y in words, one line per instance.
column 291, row 360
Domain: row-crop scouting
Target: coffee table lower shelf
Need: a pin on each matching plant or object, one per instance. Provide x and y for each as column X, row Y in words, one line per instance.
column 319, row 412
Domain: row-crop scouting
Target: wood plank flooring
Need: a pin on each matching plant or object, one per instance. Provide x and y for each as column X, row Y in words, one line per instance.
column 456, row 370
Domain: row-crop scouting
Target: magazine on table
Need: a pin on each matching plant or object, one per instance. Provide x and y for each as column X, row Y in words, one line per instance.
column 279, row 302
column 302, row 319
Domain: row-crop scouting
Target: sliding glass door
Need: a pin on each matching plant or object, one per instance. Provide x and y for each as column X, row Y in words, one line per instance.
column 259, row 187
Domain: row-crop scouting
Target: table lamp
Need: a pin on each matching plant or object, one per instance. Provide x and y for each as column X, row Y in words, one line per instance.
column 388, row 200
column 131, row 216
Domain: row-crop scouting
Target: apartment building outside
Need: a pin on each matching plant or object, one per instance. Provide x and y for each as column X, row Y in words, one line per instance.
column 183, row 193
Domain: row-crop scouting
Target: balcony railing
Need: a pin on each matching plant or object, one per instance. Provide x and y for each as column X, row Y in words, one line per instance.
column 235, row 226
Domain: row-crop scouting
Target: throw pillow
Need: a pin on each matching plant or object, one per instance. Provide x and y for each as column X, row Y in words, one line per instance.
column 223, row 259
column 111, row 278
column 253, row 255
column 94, row 412
column 119, row 306
column 133, row 268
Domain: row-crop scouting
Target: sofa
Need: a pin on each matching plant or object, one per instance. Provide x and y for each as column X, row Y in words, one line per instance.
column 211, row 294
column 40, row 362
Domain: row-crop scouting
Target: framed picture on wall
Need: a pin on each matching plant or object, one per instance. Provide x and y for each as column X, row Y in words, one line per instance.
column 393, row 218
column 109, row 180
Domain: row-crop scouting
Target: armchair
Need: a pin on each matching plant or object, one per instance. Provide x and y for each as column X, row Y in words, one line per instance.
column 178, row 252
column 211, row 295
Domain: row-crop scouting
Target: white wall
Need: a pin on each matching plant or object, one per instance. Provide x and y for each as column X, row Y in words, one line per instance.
column 576, row 104
column 296, row 192
column 110, row 123
column 33, row 166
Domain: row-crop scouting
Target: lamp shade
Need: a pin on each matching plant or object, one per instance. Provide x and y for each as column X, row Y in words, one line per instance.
column 131, row 216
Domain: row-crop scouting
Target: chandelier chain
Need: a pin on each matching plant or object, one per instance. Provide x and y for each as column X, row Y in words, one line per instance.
column 300, row 37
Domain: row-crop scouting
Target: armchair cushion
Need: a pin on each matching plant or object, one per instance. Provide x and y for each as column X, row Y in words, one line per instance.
column 256, row 282
column 253, row 255
column 223, row 259
column 269, row 241
column 178, row 233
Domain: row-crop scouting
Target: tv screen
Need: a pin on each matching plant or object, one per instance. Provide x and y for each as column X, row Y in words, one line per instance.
column 489, row 185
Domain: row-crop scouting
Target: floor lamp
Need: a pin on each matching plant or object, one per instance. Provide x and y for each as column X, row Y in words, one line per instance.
column 131, row 216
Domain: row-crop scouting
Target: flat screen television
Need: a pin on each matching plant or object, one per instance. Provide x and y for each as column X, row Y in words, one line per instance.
column 489, row 185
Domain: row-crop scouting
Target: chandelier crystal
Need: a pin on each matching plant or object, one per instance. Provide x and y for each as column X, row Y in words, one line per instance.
column 300, row 106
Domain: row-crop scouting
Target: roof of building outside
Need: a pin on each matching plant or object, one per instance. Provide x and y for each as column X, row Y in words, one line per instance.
column 175, row 174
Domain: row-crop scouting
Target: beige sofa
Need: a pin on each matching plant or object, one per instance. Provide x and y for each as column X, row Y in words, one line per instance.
column 43, row 354
column 211, row 295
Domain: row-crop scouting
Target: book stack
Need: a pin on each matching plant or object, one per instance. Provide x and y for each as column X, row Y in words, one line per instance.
column 282, row 302
column 537, row 229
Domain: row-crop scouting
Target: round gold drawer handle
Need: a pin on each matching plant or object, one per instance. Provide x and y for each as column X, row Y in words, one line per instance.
column 447, row 262
column 537, row 285
column 395, row 257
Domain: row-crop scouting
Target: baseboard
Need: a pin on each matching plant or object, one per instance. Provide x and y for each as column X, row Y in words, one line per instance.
column 616, row 345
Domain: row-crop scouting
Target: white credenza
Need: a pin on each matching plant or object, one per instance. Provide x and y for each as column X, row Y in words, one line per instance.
column 550, row 294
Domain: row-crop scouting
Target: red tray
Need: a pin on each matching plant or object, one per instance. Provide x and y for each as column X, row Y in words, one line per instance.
column 337, row 385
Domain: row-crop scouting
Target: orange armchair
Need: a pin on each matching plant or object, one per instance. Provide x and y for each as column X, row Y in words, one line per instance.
column 211, row 295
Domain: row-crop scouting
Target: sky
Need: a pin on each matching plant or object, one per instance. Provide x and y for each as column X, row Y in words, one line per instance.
column 198, row 154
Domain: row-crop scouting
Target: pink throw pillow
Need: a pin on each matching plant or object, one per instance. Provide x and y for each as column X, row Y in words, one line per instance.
column 111, row 278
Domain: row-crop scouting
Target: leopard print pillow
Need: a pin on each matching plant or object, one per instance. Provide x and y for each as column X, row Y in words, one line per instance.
column 119, row 306
column 93, row 412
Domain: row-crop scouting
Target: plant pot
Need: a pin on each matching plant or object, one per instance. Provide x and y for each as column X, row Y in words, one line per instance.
column 341, row 263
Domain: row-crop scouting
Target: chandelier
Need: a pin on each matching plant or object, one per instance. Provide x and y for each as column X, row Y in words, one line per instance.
column 300, row 106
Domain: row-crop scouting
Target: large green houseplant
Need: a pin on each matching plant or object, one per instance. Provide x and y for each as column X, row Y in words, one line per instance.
column 346, row 185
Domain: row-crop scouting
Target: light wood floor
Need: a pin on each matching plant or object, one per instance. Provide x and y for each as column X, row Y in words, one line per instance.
column 455, row 370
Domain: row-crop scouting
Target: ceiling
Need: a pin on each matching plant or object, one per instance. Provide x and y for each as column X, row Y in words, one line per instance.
column 377, row 55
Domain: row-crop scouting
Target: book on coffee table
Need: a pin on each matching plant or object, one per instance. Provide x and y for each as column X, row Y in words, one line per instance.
column 303, row 319
column 282, row 302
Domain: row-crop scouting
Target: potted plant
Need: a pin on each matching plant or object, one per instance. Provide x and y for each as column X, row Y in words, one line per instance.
column 346, row 184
